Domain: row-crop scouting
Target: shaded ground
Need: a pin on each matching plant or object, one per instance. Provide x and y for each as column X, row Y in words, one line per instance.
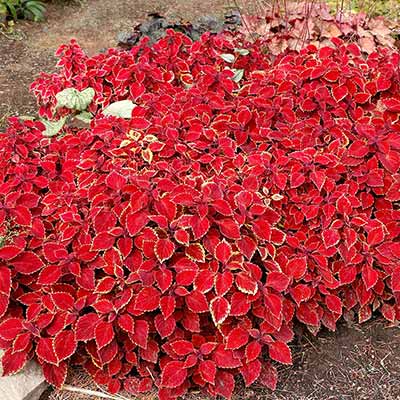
column 356, row 363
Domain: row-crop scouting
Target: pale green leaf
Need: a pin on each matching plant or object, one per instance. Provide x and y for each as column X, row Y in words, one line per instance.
column 84, row 116
column 229, row 58
column 121, row 109
column 238, row 75
column 242, row 52
column 53, row 127
column 74, row 99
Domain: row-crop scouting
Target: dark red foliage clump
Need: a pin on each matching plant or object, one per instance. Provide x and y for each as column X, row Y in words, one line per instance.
column 176, row 248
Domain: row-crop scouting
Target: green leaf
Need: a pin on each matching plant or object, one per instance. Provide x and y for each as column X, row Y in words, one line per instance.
column 229, row 58
column 84, row 116
column 242, row 52
column 53, row 127
column 74, row 99
column 12, row 10
column 238, row 75
column 3, row 9
column 121, row 109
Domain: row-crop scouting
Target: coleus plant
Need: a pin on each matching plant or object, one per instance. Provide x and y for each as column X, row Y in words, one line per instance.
column 176, row 246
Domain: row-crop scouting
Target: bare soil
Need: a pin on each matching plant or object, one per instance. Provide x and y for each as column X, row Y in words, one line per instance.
column 354, row 363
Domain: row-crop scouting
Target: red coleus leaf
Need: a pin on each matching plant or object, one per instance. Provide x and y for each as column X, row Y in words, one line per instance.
column 165, row 327
column 223, row 283
column 226, row 358
column 27, row 263
column 334, row 304
column 370, row 277
column 331, row 237
column 105, row 285
column 164, row 249
column 5, row 288
column 376, row 236
column 297, row 267
column 307, row 315
column 45, row 351
column 262, row 229
column 50, row 275
column 135, row 222
column 224, row 384
column 103, row 241
column 280, row 352
column 182, row 237
column 8, row 252
column 141, row 333
column 238, row 337
column 126, row 323
column 167, row 306
column 208, row 370
column 229, row 228
column 22, row 215
column 197, row 302
column 223, row 207
column 10, row 328
column 186, row 277
column 245, row 283
column 64, row 301
column 339, row 92
column 148, row 299
column 139, row 123
column 115, row 180
column 269, row 376
column 164, row 279
column 223, row 252
column 150, row 354
column 85, row 327
column 253, row 350
column 104, row 334
column 200, row 226
column 251, row 371
column 64, row 345
column 167, row 208
column 392, row 104
column 277, row 280
column 55, row 374
column 247, row 246
column 195, row 252
column 273, row 303
column 13, row 362
column 54, row 252
column 182, row 347
column 220, row 309
column 21, row 342
column 358, row 149
column 173, row 374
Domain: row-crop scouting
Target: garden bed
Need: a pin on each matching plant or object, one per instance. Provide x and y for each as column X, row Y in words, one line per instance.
column 356, row 362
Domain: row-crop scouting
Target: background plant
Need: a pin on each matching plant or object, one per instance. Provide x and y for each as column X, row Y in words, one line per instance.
column 25, row 9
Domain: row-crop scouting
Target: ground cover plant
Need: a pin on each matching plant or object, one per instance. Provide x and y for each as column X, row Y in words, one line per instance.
column 174, row 239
